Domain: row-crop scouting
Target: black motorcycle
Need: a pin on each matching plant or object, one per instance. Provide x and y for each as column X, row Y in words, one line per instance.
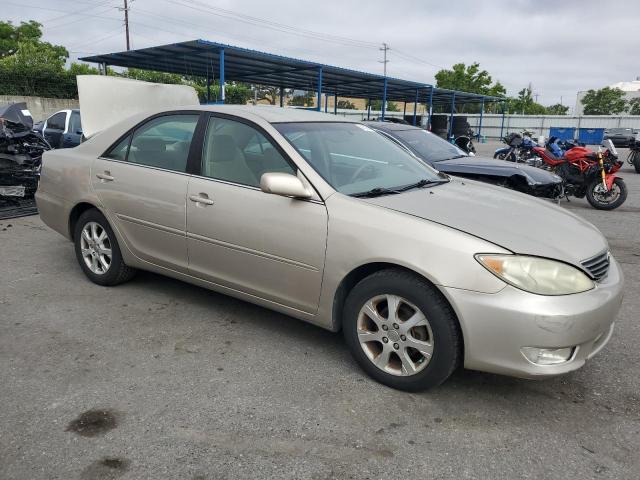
column 464, row 143
column 634, row 155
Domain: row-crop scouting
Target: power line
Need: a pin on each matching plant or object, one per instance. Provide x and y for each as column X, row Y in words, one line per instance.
column 247, row 19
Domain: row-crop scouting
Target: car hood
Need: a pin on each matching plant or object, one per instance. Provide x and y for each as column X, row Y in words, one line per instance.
column 499, row 168
column 512, row 220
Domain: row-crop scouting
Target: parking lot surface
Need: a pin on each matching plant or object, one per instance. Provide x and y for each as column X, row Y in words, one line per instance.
column 181, row 382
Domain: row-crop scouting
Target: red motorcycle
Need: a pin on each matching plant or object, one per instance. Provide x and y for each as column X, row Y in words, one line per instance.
column 589, row 173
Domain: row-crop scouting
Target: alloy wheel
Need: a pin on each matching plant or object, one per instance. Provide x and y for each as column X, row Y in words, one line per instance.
column 95, row 247
column 395, row 335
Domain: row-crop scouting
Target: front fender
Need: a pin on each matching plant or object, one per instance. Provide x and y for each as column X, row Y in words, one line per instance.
column 609, row 178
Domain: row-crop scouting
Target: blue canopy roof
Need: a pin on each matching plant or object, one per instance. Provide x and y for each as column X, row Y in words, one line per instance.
column 203, row 58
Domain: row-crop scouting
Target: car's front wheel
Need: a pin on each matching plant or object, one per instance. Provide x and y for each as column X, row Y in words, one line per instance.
column 98, row 252
column 401, row 330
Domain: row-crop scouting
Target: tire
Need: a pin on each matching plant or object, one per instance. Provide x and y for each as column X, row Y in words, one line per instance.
column 437, row 335
column 600, row 205
column 636, row 161
column 115, row 271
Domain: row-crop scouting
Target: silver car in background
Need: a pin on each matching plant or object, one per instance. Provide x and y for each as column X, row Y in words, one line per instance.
column 324, row 220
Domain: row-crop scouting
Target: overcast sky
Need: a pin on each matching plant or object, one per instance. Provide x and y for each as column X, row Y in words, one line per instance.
column 561, row 47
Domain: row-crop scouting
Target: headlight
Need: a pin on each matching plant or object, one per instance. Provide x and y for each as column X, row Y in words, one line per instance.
column 537, row 275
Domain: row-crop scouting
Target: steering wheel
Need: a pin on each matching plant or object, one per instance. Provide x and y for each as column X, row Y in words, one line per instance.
column 359, row 171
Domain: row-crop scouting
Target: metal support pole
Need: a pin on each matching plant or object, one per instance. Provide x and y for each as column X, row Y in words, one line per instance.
column 319, row 88
column 369, row 109
column 326, row 103
column 335, row 103
column 208, row 87
column 502, row 124
column 453, row 107
column 404, row 111
column 430, row 109
column 384, row 99
column 415, row 107
column 104, row 68
column 221, row 76
column 281, row 97
column 480, row 121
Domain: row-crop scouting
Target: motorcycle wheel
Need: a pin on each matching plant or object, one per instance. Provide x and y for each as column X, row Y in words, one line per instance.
column 636, row 161
column 609, row 200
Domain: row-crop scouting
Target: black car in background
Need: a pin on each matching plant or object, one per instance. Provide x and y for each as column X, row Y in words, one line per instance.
column 449, row 159
column 621, row 137
column 63, row 129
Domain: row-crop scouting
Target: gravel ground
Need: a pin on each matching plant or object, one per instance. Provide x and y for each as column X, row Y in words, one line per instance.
column 159, row 379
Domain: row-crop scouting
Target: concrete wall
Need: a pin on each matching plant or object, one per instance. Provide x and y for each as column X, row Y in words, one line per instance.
column 41, row 107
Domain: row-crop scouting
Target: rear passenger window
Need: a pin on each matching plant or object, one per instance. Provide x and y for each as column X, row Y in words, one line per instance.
column 163, row 142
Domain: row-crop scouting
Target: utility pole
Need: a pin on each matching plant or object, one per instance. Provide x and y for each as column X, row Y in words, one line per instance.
column 385, row 48
column 126, row 23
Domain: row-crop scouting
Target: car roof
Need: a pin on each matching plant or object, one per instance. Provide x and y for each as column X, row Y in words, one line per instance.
column 390, row 126
column 271, row 114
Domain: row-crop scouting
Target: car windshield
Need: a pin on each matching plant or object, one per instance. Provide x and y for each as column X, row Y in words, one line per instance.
column 354, row 159
column 428, row 146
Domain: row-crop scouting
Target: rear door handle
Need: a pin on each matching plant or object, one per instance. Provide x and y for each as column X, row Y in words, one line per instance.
column 105, row 177
column 202, row 198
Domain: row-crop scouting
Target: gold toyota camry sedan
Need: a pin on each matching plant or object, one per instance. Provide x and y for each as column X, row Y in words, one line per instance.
column 325, row 220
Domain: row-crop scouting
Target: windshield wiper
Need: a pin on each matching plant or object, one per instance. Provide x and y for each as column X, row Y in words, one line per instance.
column 375, row 192
column 379, row 191
column 420, row 184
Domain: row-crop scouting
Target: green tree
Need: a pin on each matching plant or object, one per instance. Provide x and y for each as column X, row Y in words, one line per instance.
column 152, row 76
column 469, row 79
column 237, row 93
column 11, row 36
column 634, row 106
column 524, row 104
column 82, row 69
column 377, row 105
column 606, row 101
column 304, row 100
column 270, row 94
column 346, row 104
column 557, row 109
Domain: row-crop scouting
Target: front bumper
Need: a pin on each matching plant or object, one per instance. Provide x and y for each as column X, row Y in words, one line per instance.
column 496, row 326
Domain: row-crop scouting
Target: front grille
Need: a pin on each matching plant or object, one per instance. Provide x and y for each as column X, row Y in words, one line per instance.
column 597, row 266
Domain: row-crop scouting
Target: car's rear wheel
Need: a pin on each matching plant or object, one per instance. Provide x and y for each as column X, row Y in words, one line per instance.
column 401, row 330
column 98, row 252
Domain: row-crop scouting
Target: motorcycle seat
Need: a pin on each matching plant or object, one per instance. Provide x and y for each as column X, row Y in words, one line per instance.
column 553, row 156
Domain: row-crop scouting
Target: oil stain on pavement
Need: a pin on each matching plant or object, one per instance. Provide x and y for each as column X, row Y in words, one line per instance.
column 106, row 468
column 93, row 423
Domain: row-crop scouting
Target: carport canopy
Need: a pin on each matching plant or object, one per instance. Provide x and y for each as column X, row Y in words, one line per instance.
column 213, row 60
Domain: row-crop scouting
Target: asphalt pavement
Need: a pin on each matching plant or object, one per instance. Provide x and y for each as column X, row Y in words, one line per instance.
column 158, row 379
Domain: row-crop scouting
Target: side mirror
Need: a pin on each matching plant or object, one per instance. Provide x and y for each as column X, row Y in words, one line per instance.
column 283, row 184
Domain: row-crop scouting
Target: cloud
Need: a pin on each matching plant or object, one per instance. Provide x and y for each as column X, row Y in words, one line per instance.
column 560, row 47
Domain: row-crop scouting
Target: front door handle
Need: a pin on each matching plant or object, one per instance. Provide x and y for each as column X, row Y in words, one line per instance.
column 202, row 198
column 105, row 177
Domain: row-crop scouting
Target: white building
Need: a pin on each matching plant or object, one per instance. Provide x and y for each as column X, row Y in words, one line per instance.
column 631, row 90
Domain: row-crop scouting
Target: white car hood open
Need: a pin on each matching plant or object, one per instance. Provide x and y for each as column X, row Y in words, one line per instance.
column 106, row 100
